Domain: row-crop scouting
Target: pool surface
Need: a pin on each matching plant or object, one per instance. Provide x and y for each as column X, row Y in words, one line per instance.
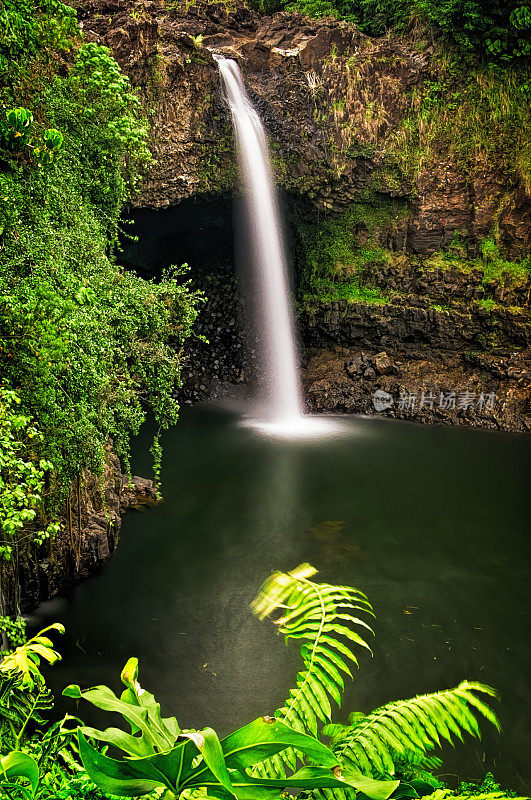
column 431, row 522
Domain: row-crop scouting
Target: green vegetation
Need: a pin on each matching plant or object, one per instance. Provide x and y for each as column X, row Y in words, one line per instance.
column 334, row 263
column 328, row 291
column 85, row 348
column 38, row 758
column 31, row 29
column 159, row 753
column 478, row 117
column 21, row 477
column 386, row 753
column 491, row 263
column 493, row 29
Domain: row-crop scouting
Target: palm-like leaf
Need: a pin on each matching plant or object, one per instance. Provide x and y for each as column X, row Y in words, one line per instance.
column 411, row 728
column 320, row 617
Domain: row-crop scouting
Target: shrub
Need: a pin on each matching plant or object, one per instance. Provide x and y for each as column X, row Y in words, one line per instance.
column 491, row 29
column 496, row 29
column 32, row 27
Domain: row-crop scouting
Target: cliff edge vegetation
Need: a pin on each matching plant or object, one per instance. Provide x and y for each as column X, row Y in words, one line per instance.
column 85, row 348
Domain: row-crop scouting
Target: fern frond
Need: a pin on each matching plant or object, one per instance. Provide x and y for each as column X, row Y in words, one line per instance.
column 409, row 729
column 319, row 617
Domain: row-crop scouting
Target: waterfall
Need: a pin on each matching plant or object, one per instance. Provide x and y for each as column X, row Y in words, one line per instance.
column 282, row 394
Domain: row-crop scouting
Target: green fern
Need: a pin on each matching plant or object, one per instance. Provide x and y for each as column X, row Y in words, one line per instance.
column 410, row 729
column 318, row 616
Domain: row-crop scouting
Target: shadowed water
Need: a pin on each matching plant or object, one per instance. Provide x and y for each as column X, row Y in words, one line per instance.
column 431, row 522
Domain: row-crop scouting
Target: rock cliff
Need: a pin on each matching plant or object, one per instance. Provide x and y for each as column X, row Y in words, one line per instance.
column 90, row 528
column 339, row 108
column 334, row 103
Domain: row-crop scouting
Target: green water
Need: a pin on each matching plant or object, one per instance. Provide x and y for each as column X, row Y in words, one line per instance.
column 431, row 522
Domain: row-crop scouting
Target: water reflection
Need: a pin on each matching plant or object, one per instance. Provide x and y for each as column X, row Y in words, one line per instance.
column 432, row 523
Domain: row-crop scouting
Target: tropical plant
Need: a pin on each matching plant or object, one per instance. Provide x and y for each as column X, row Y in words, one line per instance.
column 18, row 126
column 38, row 758
column 23, row 696
column 273, row 754
column 496, row 29
column 410, row 729
column 23, row 691
column 19, row 765
column 87, row 346
column 158, row 753
column 314, row 614
column 21, row 479
column 379, row 743
column 31, row 27
column 49, row 147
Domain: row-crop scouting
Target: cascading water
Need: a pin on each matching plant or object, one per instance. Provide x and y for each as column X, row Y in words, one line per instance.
column 281, row 412
column 282, row 402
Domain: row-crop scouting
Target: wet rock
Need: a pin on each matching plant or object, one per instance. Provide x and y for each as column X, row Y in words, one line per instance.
column 89, row 534
column 383, row 364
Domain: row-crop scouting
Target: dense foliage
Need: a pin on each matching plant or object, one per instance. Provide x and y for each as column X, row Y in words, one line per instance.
column 31, row 28
column 496, row 30
column 87, row 348
column 38, row 758
column 21, row 478
column 386, row 753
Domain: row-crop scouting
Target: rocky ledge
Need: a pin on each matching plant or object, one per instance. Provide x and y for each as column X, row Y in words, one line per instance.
column 90, row 528
column 446, row 388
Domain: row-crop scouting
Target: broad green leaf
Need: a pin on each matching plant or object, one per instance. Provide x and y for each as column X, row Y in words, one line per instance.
column 132, row 745
column 20, row 765
column 123, row 778
column 137, row 716
column 319, row 778
column 209, row 745
column 263, row 738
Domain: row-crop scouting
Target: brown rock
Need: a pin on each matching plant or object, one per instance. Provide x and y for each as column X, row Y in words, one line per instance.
column 383, row 363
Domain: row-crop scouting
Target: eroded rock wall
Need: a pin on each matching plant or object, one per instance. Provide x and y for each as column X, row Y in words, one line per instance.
column 448, row 366
column 333, row 102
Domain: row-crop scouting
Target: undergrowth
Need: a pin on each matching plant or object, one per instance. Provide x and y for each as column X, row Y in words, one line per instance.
column 86, row 347
column 490, row 262
column 333, row 259
column 478, row 117
column 353, row 292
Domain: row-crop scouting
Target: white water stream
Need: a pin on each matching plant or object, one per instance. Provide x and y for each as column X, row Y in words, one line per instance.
column 281, row 411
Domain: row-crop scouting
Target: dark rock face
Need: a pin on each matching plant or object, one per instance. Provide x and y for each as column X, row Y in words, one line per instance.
column 218, row 363
column 417, row 331
column 453, row 367
column 437, row 366
column 89, row 533
column 312, row 82
column 449, row 286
